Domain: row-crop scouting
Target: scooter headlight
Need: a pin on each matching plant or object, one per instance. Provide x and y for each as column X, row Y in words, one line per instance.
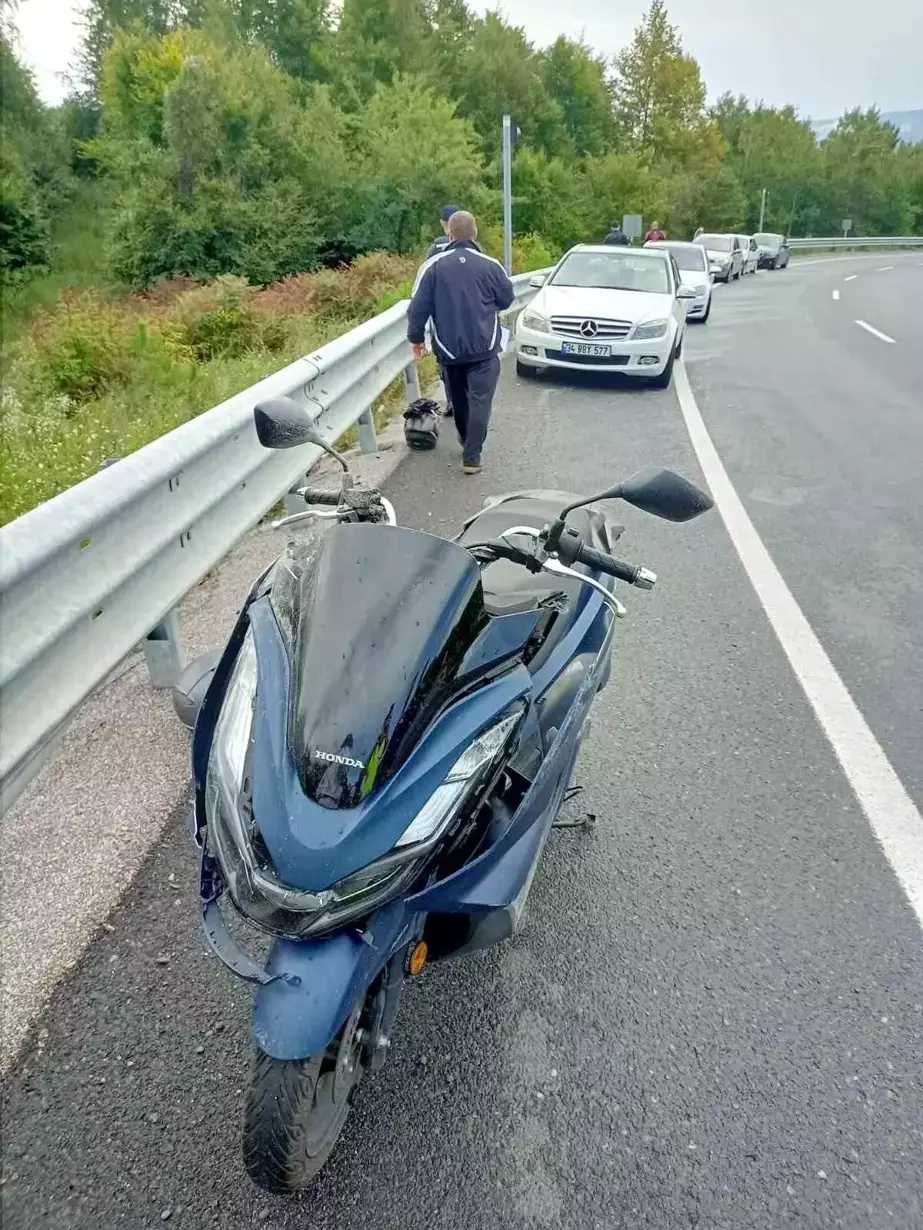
column 446, row 799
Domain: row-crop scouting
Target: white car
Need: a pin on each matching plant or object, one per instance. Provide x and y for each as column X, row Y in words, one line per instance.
column 751, row 253
column 692, row 264
column 609, row 309
column 726, row 260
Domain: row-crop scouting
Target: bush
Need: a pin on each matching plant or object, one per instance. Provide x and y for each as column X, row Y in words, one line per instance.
column 24, row 240
column 81, row 350
column 218, row 322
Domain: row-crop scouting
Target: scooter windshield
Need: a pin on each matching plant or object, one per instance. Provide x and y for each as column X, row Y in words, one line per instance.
column 377, row 620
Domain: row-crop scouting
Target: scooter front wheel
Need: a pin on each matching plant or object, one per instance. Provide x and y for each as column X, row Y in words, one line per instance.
column 296, row 1109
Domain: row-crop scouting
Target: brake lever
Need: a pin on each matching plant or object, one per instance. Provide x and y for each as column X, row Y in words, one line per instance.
column 556, row 568
column 307, row 515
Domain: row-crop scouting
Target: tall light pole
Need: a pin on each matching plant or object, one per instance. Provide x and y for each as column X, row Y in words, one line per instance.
column 762, row 208
column 508, row 194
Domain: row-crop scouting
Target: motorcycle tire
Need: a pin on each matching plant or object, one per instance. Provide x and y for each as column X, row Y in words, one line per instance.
column 294, row 1114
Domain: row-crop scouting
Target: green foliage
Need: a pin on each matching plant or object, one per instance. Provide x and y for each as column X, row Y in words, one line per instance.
column 660, row 97
column 411, row 154
column 576, row 82
column 81, row 351
column 24, row 239
column 219, row 322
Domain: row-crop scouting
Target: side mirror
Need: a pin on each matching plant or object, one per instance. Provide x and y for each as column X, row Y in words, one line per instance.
column 537, row 280
column 665, row 494
column 685, row 292
column 280, row 423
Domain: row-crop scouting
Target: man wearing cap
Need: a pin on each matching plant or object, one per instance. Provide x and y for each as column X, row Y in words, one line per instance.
column 437, row 246
column 458, row 296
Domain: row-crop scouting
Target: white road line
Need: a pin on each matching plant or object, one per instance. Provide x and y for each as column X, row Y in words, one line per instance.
column 890, row 811
column 875, row 332
column 852, row 277
column 884, row 268
column 836, row 294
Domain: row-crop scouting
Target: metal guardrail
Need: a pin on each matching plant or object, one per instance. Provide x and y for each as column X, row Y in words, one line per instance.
column 834, row 243
column 91, row 574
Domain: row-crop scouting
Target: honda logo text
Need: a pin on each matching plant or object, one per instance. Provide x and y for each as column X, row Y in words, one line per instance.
column 334, row 758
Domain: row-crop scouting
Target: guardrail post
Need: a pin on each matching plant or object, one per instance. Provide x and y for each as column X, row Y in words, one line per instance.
column 163, row 651
column 366, row 424
column 411, row 383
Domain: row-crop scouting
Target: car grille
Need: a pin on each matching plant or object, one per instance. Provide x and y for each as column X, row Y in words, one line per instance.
column 589, row 360
column 606, row 330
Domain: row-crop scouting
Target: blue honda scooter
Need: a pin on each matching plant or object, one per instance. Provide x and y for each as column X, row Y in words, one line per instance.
column 379, row 756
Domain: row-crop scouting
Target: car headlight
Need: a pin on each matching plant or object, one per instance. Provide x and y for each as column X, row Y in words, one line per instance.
column 651, row 329
column 700, row 290
column 534, row 320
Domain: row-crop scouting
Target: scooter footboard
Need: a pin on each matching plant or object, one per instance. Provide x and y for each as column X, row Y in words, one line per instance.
column 297, row 1015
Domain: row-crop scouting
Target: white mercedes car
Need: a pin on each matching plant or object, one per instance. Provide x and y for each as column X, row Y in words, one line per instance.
column 611, row 309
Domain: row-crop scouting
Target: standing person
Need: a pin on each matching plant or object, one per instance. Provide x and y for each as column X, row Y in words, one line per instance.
column 699, row 230
column 617, row 236
column 656, row 234
column 439, row 245
column 459, row 293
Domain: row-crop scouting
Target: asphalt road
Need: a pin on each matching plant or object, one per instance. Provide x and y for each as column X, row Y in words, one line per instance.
column 714, row 1015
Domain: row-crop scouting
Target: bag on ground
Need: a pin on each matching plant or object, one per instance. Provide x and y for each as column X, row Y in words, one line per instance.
column 421, row 423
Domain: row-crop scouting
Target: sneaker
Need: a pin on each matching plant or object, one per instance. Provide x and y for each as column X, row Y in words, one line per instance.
column 471, row 467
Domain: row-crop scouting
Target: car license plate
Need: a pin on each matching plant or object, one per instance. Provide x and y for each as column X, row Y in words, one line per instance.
column 587, row 348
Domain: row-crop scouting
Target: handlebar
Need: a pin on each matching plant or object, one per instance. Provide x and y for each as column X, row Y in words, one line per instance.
column 331, row 498
column 643, row 578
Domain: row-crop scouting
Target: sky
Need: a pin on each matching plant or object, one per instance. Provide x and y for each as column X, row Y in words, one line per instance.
column 823, row 56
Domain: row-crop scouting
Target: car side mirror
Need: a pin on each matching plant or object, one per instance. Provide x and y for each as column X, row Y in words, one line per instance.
column 537, row 281
column 665, row 494
column 280, row 423
column 685, row 292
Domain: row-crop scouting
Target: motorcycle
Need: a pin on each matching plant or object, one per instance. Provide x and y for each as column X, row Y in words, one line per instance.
column 381, row 751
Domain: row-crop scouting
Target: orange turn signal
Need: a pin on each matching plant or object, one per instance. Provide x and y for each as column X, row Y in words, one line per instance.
column 418, row 956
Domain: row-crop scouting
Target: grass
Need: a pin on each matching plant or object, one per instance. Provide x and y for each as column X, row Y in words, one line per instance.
column 95, row 379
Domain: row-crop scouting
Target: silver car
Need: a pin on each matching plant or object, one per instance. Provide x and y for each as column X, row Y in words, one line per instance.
column 726, row 260
column 751, row 253
column 692, row 263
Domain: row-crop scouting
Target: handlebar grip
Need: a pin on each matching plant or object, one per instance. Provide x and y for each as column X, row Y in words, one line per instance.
column 630, row 573
column 321, row 497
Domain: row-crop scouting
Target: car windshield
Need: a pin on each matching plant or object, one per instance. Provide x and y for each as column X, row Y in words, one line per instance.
column 768, row 240
column 613, row 271
column 717, row 243
column 686, row 256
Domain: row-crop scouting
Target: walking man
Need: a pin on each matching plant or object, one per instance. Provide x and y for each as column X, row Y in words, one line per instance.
column 459, row 294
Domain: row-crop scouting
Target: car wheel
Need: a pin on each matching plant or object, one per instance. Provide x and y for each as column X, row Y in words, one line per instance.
column 663, row 380
column 526, row 371
column 775, row 262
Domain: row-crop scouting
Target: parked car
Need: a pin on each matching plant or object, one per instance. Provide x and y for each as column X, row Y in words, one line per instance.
column 692, row 263
column 726, row 260
column 611, row 309
column 751, row 253
column 774, row 252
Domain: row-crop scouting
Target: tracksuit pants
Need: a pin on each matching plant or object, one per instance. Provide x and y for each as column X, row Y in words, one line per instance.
column 472, row 387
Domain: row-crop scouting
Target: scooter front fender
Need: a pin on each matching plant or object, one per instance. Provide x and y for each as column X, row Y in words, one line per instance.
column 299, row 1013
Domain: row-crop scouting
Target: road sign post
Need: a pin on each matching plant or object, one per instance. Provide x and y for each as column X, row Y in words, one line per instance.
column 508, row 193
column 631, row 225
column 847, row 226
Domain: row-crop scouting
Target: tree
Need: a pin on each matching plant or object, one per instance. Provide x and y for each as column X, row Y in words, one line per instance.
column 772, row 148
column 377, row 40
column 215, row 179
column 863, row 177
column 660, row 97
column 297, row 33
column 499, row 74
column 548, row 198
column 576, row 80
column 715, row 201
column 412, row 154
column 619, row 184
